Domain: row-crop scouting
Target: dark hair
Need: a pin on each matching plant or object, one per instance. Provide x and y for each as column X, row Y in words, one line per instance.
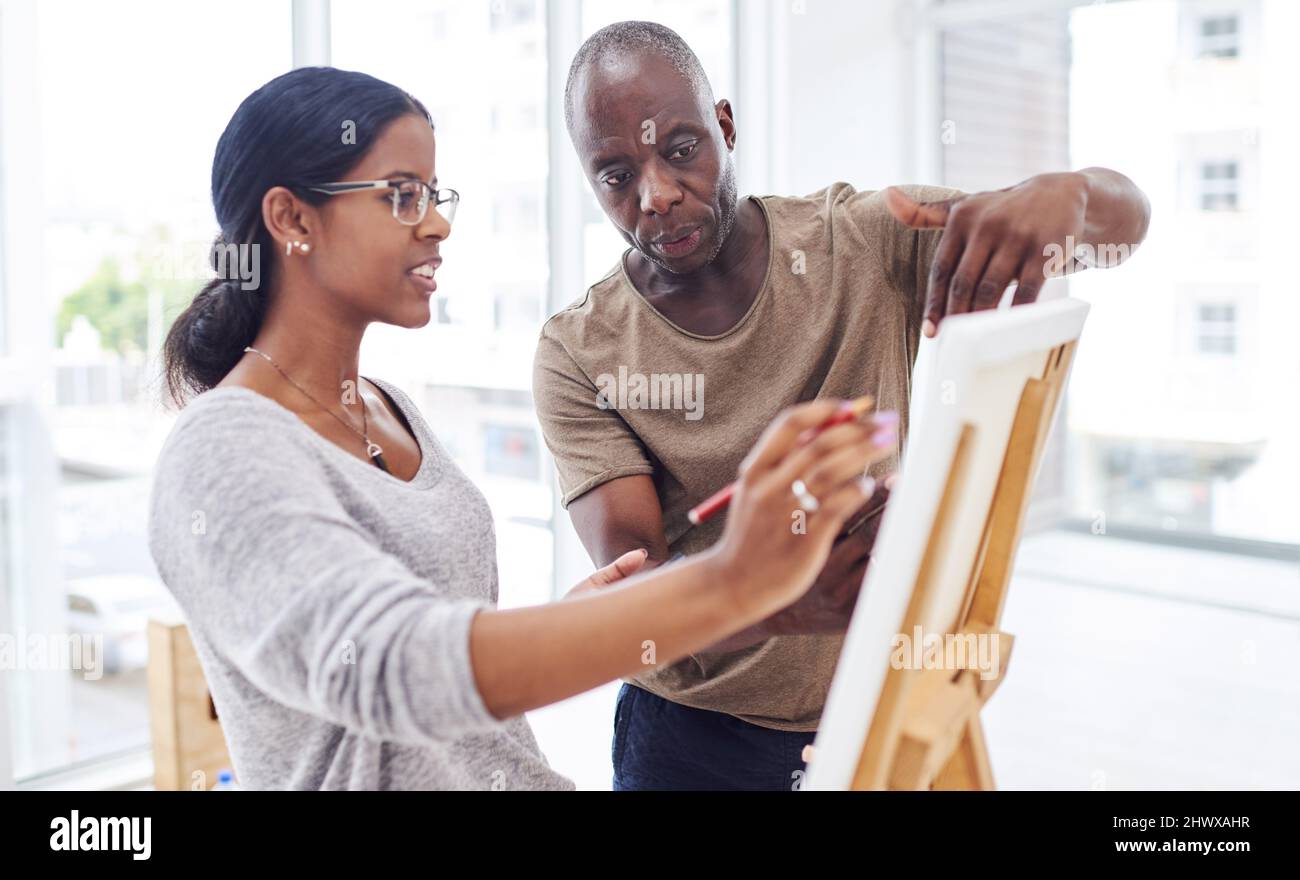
column 624, row 38
column 311, row 125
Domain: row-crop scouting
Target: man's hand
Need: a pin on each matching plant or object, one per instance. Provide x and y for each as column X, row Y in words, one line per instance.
column 991, row 239
column 624, row 567
column 1025, row 233
column 828, row 604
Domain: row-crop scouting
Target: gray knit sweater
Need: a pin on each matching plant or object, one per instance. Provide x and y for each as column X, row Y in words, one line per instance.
column 330, row 603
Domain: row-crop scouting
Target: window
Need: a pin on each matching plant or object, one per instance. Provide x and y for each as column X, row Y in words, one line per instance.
column 1178, row 431
column 1216, row 331
column 512, row 451
column 508, row 14
column 1201, row 450
column 517, row 214
column 1211, row 432
column 516, row 308
column 1219, row 38
column 109, row 164
column 1005, row 105
column 1219, row 186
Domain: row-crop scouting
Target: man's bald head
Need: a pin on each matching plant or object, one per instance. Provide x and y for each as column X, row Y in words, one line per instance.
column 625, row 40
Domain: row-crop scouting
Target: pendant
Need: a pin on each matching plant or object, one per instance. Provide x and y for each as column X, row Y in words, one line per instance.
column 376, row 453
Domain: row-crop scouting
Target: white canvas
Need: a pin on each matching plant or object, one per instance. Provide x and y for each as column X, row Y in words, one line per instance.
column 973, row 372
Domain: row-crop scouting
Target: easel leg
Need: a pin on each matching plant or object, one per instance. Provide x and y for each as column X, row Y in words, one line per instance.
column 969, row 768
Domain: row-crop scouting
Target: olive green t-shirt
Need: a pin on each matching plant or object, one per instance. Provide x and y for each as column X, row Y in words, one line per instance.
column 621, row 390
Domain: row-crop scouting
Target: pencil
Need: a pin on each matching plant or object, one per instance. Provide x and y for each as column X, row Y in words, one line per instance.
column 718, row 501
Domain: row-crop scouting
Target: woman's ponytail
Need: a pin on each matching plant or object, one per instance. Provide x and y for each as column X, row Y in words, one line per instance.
column 208, row 338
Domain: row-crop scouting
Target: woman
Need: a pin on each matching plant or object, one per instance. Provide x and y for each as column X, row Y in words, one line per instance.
column 337, row 570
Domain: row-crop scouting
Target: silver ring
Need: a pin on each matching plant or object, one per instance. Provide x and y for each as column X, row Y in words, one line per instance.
column 807, row 501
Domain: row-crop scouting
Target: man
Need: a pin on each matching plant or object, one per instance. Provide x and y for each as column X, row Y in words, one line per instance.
column 651, row 387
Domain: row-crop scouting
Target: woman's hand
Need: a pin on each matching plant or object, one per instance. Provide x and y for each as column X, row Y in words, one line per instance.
column 775, row 543
column 624, row 567
column 770, row 552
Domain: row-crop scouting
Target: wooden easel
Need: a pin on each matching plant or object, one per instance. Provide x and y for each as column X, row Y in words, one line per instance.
column 926, row 732
column 189, row 749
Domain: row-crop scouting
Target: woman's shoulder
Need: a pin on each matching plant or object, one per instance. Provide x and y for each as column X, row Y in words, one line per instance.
column 229, row 452
column 232, row 426
column 233, row 409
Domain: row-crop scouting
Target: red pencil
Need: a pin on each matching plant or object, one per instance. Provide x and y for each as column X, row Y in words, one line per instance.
column 718, row 501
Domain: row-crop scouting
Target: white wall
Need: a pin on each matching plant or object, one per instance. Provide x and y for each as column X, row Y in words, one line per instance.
column 833, row 88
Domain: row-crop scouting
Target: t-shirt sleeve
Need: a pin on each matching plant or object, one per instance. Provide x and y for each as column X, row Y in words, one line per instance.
column 907, row 252
column 299, row 598
column 591, row 444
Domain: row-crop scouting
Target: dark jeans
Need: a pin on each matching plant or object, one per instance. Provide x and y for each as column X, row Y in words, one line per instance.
column 662, row 746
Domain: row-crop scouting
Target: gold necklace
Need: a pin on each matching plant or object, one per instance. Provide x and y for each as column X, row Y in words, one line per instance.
column 373, row 449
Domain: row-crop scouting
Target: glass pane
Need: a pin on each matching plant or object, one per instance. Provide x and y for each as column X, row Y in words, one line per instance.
column 123, row 155
column 1174, row 422
column 1195, row 437
column 481, row 71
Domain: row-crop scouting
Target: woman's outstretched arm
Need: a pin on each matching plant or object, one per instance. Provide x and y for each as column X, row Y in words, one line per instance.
column 526, row 658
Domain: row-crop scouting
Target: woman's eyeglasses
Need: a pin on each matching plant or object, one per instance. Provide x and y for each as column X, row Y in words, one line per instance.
column 410, row 198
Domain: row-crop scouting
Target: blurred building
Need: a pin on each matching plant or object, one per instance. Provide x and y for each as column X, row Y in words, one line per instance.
column 1184, row 405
